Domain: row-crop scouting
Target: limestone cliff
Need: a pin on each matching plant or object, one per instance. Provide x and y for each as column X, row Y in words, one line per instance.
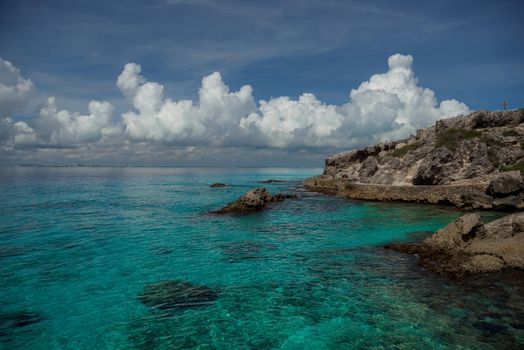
column 472, row 161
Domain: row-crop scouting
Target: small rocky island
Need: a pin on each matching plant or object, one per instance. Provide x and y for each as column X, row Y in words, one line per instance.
column 470, row 162
column 253, row 200
column 474, row 161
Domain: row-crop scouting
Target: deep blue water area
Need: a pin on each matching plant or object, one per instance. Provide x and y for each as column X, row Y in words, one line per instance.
column 82, row 248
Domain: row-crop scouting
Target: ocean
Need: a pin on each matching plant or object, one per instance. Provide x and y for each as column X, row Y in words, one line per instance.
column 79, row 247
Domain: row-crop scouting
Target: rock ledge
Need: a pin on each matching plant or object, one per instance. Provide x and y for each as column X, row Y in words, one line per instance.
column 468, row 246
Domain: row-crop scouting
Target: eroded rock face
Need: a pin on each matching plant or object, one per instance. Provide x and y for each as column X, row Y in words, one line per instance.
column 468, row 246
column 481, row 148
column 369, row 168
column 176, row 294
column 435, row 168
column 506, row 184
column 462, row 230
column 253, row 200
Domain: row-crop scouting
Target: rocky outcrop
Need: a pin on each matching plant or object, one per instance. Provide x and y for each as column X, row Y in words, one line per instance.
column 468, row 246
column 218, row 184
column 270, row 181
column 484, row 149
column 253, row 200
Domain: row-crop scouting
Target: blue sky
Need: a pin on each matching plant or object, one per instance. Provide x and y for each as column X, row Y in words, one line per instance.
column 469, row 51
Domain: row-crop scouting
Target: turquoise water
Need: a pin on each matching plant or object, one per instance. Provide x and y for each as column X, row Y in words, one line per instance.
column 78, row 245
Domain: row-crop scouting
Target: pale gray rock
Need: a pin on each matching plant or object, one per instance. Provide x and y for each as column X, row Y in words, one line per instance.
column 506, row 184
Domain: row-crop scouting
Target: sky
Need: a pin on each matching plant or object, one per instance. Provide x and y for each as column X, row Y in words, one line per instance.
column 244, row 83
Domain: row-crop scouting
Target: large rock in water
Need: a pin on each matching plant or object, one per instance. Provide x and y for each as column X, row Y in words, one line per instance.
column 176, row 294
column 468, row 246
column 251, row 201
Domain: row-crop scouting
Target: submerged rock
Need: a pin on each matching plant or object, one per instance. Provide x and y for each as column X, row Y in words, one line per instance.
column 163, row 250
column 468, row 246
column 10, row 321
column 176, row 294
column 245, row 250
column 270, row 181
column 218, row 184
column 253, row 200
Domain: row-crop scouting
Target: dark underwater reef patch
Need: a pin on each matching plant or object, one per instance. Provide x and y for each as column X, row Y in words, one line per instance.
column 245, row 250
column 176, row 294
column 11, row 321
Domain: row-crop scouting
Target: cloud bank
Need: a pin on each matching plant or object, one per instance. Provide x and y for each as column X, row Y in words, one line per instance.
column 388, row 105
column 14, row 89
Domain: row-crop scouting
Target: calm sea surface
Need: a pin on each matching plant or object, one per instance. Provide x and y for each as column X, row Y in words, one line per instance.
column 79, row 245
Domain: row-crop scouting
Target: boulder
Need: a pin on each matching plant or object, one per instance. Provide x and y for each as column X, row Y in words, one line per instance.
column 467, row 246
column 253, row 200
column 506, row 184
column 510, row 202
column 457, row 233
column 176, row 294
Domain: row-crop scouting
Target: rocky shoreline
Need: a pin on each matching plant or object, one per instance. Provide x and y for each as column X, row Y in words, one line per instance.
column 469, row 162
column 468, row 246
column 472, row 162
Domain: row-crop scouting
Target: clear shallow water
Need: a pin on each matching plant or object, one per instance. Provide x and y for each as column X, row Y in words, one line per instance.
column 78, row 245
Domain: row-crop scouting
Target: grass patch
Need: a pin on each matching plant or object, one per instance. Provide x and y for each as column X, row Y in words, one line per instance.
column 450, row 138
column 510, row 132
column 517, row 166
column 402, row 151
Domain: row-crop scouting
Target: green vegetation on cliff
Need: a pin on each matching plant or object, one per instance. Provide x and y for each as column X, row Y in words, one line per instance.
column 450, row 138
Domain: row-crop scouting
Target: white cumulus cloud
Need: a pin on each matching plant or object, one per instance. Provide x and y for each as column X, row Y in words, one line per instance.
column 388, row 105
column 61, row 128
column 14, row 89
column 212, row 120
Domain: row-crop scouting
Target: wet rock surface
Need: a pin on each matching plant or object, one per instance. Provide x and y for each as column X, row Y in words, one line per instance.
column 468, row 246
column 253, row 200
column 176, row 294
